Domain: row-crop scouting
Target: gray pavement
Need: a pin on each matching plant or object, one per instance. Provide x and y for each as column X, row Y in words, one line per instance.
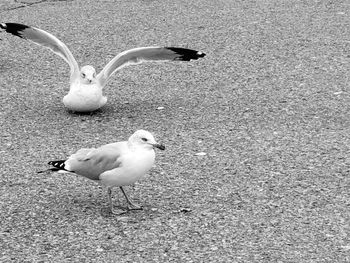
column 269, row 105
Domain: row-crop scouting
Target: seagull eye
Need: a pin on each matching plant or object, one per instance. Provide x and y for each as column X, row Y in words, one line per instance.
column 83, row 75
column 144, row 139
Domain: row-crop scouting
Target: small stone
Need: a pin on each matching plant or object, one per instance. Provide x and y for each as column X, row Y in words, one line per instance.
column 346, row 248
column 123, row 218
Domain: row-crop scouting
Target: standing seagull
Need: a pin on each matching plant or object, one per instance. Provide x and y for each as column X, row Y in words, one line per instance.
column 85, row 93
column 114, row 164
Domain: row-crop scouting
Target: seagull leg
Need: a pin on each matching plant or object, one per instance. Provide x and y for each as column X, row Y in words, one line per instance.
column 131, row 205
column 111, row 210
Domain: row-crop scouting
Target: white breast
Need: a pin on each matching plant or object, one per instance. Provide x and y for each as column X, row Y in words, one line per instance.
column 83, row 98
column 134, row 166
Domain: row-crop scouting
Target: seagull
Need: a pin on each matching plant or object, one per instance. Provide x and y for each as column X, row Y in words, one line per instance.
column 85, row 92
column 115, row 164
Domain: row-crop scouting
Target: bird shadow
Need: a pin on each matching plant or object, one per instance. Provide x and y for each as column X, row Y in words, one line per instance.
column 129, row 110
column 97, row 112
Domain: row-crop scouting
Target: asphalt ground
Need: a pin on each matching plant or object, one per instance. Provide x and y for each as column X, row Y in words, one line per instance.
column 269, row 105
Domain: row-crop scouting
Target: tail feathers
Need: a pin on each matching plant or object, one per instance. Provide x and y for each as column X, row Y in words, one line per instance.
column 186, row 54
column 57, row 166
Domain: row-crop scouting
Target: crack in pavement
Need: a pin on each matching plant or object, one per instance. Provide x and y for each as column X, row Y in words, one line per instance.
column 24, row 3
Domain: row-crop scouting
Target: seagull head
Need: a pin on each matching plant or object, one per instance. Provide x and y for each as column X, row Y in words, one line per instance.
column 88, row 75
column 145, row 139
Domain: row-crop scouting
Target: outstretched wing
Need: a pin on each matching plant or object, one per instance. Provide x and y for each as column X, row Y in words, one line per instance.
column 142, row 54
column 45, row 39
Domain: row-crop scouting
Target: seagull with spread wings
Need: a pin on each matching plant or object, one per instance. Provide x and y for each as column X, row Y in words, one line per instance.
column 85, row 93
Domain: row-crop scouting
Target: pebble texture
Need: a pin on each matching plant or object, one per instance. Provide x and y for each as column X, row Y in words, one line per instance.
column 257, row 162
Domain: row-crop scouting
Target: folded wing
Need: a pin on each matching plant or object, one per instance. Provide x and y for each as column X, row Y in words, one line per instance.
column 92, row 162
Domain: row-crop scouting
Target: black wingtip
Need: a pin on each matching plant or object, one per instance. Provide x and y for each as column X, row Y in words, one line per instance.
column 186, row 54
column 14, row 28
column 59, row 165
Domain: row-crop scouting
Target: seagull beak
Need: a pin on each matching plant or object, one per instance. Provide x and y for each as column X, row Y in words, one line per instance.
column 159, row 146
